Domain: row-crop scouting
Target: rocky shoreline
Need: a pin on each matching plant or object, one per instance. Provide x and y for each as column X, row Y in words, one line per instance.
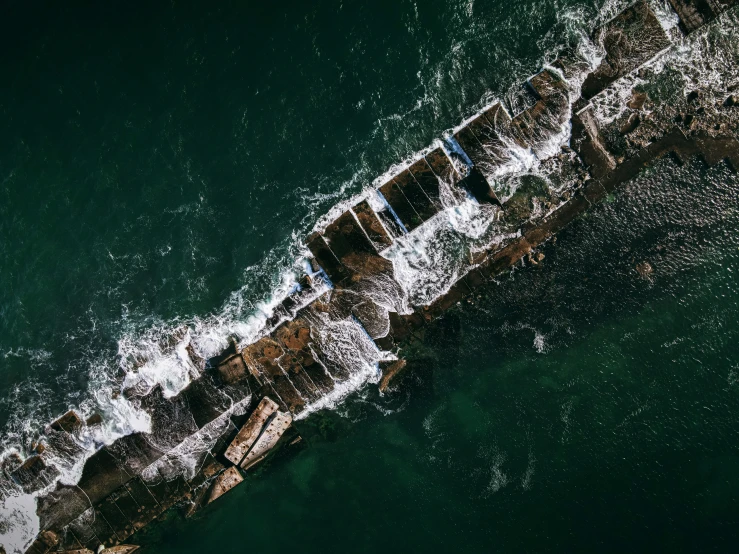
column 244, row 401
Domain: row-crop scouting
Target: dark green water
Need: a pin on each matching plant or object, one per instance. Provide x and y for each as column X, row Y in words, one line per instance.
column 159, row 164
column 616, row 431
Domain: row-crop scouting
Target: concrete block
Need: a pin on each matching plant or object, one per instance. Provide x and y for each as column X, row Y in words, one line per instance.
column 224, row 483
column 250, row 431
column 69, row 422
column 442, row 167
column 267, row 440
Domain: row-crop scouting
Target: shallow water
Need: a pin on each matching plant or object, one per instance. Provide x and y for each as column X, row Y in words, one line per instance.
column 160, row 167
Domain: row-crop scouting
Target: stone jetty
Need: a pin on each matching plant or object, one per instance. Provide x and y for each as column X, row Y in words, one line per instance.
column 244, row 401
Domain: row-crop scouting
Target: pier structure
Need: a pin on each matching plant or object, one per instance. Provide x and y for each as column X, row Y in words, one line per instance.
column 244, row 403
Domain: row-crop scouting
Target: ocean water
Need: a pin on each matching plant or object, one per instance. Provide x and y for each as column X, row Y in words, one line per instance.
column 159, row 168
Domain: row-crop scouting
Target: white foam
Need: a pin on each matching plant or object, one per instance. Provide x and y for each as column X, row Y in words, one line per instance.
column 19, row 523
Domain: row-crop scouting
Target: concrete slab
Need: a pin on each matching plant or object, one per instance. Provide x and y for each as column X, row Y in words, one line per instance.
column 129, row 508
column 263, row 356
column 326, row 258
column 267, row 440
column 394, row 196
column 490, row 128
column 547, row 83
column 443, row 169
column 421, row 203
column 372, row 225
column 505, row 258
column 101, row 475
column 224, row 483
column 630, row 39
column 537, row 125
column 344, row 235
column 520, row 98
column 134, row 452
column 59, row 507
column 295, row 338
column 693, row 14
column 34, row 474
column 250, row 431
column 149, row 508
column 119, row 523
column 206, row 400
column 391, row 223
column 168, row 493
column 485, row 163
column 232, row 369
column 427, row 180
column 300, row 379
column 163, row 412
column 83, row 530
column 355, row 251
column 102, row 529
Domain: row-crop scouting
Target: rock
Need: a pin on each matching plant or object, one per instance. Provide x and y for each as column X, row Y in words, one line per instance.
column 390, row 372
column 94, row 419
column 732, row 101
column 637, row 100
column 631, row 124
column 644, row 269
column 69, row 422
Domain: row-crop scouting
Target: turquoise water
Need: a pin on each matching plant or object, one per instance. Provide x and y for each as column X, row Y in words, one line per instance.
column 159, row 166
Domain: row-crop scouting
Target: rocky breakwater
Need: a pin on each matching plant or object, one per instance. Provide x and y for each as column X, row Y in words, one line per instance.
column 352, row 318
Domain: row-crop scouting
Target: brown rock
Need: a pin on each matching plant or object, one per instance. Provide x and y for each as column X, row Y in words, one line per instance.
column 637, row 100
